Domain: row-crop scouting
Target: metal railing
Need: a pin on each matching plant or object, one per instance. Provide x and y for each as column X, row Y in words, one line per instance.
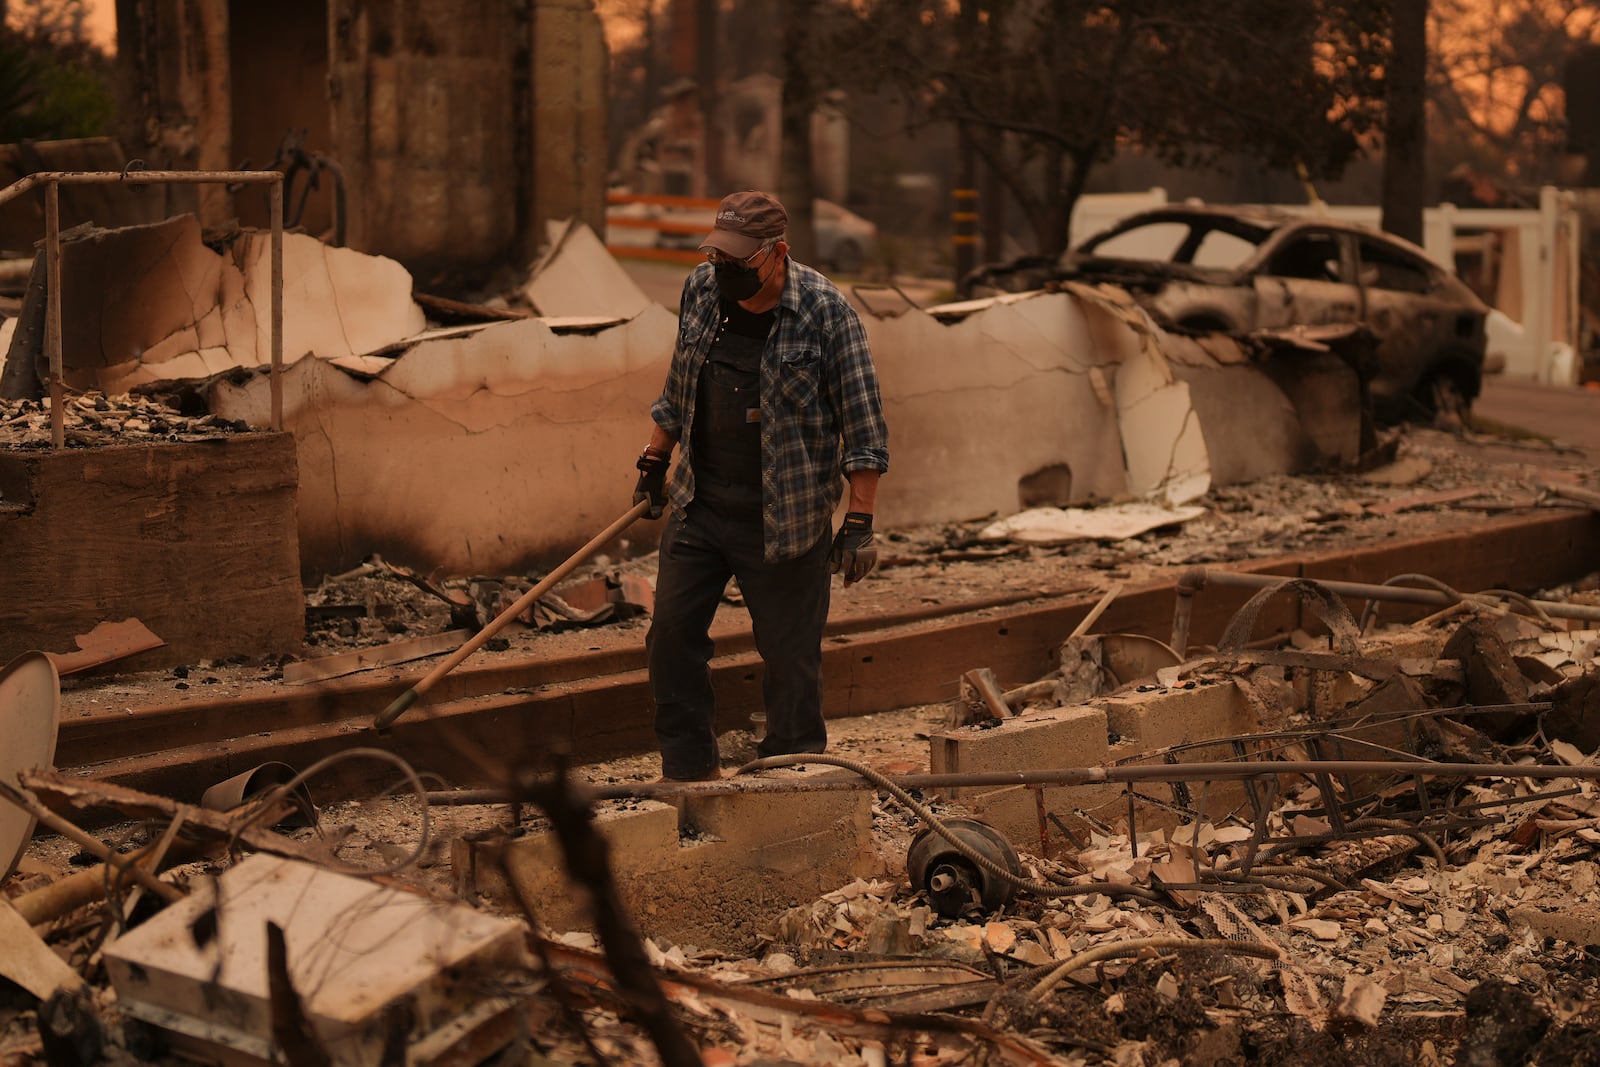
column 51, row 182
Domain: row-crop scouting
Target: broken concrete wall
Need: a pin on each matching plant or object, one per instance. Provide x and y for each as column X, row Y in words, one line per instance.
column 711, row 871
column 977, row 405
column 174, row 86
column 478, row 454
column 513, row 445
column 460, row 127
column 489, row 448
column 1081, row 386
column 153, row 303
column 488, row 452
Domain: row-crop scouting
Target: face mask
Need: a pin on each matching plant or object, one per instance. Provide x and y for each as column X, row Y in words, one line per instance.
column 737, row 281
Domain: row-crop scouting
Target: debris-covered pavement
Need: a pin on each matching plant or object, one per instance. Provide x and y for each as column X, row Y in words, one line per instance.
column 1466, row 943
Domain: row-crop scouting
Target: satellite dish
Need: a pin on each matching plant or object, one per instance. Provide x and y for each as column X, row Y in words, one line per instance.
column 30, row 708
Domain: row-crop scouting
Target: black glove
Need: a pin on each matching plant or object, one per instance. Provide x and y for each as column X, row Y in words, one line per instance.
column 853, row 555
column 652, row 484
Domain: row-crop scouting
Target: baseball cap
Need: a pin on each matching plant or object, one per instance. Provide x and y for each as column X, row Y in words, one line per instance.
column 744, row 220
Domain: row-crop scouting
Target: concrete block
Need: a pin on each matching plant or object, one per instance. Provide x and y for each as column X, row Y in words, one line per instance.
column 757, row 820
column 714, row 872
column 642, row 836
column 1017, row 812
column 1163, row 718
column 1577, row 923
column 728, row 896
column 1052, row 739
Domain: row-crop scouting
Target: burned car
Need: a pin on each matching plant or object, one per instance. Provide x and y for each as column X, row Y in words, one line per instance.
column 1239, row 270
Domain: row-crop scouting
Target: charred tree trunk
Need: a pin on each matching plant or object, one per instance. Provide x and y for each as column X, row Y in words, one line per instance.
column 1404, row 161
column 799, row 93
column 964, row 205
column 708, row 68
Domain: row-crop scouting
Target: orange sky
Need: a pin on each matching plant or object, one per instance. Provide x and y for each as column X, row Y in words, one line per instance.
column 102, row 23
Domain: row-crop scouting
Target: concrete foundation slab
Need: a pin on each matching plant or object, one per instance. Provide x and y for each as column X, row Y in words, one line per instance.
column 1073, row 736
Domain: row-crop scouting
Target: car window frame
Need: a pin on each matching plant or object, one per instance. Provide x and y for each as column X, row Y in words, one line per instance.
column 1423, row 266
column 1292, row 232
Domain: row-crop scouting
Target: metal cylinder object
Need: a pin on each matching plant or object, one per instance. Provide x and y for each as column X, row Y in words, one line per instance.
column 953, row 883
column 246, row 786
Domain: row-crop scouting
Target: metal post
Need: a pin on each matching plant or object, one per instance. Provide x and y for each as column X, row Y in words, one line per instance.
column 276, row 381
column 52, row 329
column 964, row 223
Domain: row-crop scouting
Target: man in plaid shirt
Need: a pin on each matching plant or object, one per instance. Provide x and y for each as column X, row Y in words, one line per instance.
column 774, row 398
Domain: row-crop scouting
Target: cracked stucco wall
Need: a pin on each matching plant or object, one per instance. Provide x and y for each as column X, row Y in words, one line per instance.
column 481, row 455
column 146, row 304
column 509, row 447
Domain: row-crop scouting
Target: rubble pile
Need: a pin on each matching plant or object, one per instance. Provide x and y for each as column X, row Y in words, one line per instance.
column 95, row 419
column 1322, row 916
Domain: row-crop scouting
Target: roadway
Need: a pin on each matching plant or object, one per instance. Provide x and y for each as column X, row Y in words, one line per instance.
column 1569, row 415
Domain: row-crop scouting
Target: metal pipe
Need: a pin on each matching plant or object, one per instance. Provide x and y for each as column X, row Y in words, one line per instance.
column 276, row 381
column 1189, row 583
column 1068, row 776
column 1391, row 593
column 137, row 177
column 52, row 328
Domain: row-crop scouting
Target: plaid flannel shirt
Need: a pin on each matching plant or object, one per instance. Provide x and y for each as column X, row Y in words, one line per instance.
column 821, row 416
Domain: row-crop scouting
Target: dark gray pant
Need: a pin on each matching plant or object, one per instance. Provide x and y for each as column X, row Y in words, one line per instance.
column 788, row 604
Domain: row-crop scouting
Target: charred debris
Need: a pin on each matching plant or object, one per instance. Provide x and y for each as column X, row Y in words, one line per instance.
column 1396, row 860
